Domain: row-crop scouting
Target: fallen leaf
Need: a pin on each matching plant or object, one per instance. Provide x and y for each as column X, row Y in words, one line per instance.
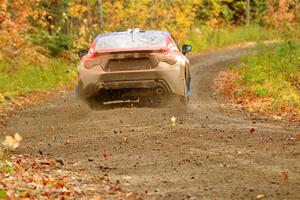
column 91, row 189
column 64, row 189
column 60, row 161
column 277, row 118
column 3, row 194
column 18, row 170
column 285, row 176
column 12, row 142
column 260, row 196
column 252, row 130
column 105, row 155
column 173, row 121
column 129, row 194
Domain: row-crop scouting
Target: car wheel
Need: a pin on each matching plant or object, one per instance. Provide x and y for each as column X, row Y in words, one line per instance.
column 95, row 103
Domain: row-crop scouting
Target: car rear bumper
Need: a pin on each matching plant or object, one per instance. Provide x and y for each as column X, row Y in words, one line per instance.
column 134, row 84
column 169, row 78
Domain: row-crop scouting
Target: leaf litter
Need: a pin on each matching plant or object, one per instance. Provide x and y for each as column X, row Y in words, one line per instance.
column 243, row 98
column 24, row 177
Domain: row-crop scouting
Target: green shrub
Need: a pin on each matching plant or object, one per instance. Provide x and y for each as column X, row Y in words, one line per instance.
column 274, row 71
column 56, row 43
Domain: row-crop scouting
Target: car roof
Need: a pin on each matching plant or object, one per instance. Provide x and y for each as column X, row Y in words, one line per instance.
column 165, row 33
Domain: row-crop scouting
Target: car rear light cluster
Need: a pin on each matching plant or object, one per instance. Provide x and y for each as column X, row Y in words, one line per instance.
column 165, row 51
column 90, row 59
column 92, row 53
column 167, row 57
column 88, row 64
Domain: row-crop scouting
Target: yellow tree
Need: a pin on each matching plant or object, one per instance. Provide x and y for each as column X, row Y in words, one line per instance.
column 13, row 25
column 176, row 16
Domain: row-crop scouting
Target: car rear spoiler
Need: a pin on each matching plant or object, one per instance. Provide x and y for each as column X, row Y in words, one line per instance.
column 131, row 50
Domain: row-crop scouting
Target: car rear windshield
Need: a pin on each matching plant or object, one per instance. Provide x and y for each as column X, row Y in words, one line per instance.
column 131, row 40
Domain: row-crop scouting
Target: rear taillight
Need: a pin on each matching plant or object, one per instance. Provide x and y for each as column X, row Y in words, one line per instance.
column 92, row 59
column 92, row 53
column 165, row 51
column 88, row 64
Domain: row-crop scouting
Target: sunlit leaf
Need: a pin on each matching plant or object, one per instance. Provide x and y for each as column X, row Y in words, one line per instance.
column 3, row 194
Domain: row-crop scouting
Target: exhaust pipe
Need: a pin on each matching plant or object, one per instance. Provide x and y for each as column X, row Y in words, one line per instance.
column 159, row 91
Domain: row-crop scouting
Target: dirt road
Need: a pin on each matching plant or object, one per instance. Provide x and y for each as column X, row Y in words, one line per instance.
column 214, row 151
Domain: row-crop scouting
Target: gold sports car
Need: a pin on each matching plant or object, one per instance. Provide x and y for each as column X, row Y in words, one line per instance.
column 131, row 65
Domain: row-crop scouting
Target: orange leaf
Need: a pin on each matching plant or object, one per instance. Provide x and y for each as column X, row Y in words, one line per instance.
column 285, row 176
column 19, row 169
column 105, row 155
column 252, row 130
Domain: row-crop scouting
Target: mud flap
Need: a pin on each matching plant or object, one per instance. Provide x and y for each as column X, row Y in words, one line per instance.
column 77, row 92
column 188, row 86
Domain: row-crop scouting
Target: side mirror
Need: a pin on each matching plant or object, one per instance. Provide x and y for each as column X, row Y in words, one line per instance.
column 186, row 48
column 82, row 53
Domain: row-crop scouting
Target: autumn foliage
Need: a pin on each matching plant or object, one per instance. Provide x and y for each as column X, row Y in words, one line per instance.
column 281, row 14
column 59, row 25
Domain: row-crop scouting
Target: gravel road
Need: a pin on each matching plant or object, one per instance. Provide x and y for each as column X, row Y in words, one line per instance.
column 214, row 152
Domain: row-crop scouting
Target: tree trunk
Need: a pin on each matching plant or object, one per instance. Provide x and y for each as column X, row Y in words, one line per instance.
column 248, row 13
column 297, row 10
column 100, row 12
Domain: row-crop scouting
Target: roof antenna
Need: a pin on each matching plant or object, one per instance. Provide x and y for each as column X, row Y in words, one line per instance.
column 132, row 40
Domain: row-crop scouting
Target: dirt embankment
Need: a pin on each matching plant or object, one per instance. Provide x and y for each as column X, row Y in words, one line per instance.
column 213, row 152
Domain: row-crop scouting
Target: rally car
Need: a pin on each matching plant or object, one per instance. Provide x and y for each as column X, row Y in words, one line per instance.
column 130, row 65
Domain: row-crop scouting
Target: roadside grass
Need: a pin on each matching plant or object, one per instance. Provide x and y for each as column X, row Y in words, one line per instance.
column 268, row 82
column 22, row 76
column 204, row 38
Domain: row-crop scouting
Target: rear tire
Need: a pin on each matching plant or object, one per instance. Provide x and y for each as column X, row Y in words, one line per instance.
column 184, row 100
column 96, row 102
